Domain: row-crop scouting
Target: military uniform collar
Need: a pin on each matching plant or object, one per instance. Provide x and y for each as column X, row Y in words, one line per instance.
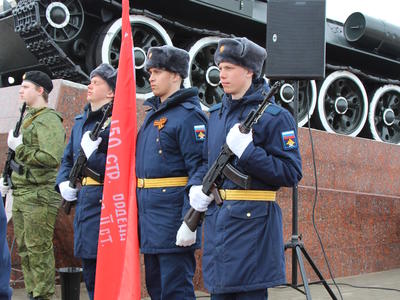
column 153, row 102
column 34, row 110
column 231, row 104
column 180, row 96
column 254, row 93
column 96, row 112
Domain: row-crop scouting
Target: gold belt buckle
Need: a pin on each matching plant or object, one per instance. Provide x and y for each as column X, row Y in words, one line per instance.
column 222, row 193
column 140, row 182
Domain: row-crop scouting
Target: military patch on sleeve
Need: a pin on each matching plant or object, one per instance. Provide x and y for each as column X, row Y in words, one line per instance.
column 200, row 132
column 289, row 140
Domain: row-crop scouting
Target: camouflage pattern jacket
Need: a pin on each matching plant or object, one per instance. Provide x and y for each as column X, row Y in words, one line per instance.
column 42, row 148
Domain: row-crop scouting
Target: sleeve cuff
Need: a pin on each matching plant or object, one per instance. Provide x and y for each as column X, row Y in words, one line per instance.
column 246, row 156
column 18, row 149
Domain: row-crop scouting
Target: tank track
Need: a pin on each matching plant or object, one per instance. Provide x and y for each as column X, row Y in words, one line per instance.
column 27, row 24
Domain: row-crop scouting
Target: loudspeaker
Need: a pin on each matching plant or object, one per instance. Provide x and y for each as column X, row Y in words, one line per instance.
column 295, row 39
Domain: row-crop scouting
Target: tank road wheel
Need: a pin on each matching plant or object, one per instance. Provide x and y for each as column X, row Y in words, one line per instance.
column 146, row 33
column 203, row 73
column 343, row 103
column 307, row 99
column 63, row 20
column 384, row 114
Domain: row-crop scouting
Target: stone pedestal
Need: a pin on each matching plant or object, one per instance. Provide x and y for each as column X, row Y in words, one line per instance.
column 357, row 212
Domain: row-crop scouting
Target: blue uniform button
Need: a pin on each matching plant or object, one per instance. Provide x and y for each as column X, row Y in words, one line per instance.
column 159, row 151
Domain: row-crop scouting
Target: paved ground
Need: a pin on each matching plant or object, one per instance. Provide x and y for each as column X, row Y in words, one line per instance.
column 388, row 279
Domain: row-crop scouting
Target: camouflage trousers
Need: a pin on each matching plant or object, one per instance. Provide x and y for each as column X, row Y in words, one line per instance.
column 34, row 216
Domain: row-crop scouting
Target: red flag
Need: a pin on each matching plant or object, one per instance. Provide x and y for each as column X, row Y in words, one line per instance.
column 118, row 264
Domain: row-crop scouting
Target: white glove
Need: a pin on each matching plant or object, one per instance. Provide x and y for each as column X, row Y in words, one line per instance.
column 185, row 237
column 88, row 145
column 3, row 188
column 67, row 192
column 198, row 200
column 238, row 141
column 13, row 142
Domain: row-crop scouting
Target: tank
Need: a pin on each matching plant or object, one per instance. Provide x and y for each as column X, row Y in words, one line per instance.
column 68, row 38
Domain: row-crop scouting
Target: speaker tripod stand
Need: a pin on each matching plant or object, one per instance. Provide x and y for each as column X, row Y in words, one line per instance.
column 295, row 242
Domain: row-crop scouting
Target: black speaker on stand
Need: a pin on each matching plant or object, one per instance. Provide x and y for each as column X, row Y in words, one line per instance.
column 296, row 51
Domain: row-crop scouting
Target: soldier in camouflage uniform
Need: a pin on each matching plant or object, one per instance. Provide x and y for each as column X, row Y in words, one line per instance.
column 38, row 149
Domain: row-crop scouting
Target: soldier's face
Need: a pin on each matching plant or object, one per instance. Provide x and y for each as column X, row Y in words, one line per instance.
column 98, row 90
column 163, row 82
column 30, row 92
column 234, row 79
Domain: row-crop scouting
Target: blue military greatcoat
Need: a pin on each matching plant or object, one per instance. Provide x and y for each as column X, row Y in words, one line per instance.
column 5, row 259
column 243, row 240
column 169, row 144
column 88, row 208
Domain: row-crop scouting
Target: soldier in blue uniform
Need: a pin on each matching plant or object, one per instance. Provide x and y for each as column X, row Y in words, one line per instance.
column 168, row 153
column 243, row 240
column 5, row 259
column 88, row 199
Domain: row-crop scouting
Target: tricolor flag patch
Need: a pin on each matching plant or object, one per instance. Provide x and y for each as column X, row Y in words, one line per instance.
column 289, row 140
column 200, row 132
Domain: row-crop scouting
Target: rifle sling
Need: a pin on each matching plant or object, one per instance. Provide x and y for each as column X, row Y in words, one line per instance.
column 29, row 121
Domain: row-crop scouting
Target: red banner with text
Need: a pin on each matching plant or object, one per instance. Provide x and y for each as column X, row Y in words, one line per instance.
column 118, row 263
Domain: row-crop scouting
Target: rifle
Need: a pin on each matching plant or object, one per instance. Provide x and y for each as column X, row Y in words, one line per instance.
column 77, row 171
column 221, row 168
column 11, row 154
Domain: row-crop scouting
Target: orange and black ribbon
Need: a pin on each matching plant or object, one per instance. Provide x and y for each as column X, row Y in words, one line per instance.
column 160, row 123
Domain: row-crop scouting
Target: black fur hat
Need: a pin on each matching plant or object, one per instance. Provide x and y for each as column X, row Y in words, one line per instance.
column 39, row 78
column 107, row 72
column 242, row 52
column 169, row 58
